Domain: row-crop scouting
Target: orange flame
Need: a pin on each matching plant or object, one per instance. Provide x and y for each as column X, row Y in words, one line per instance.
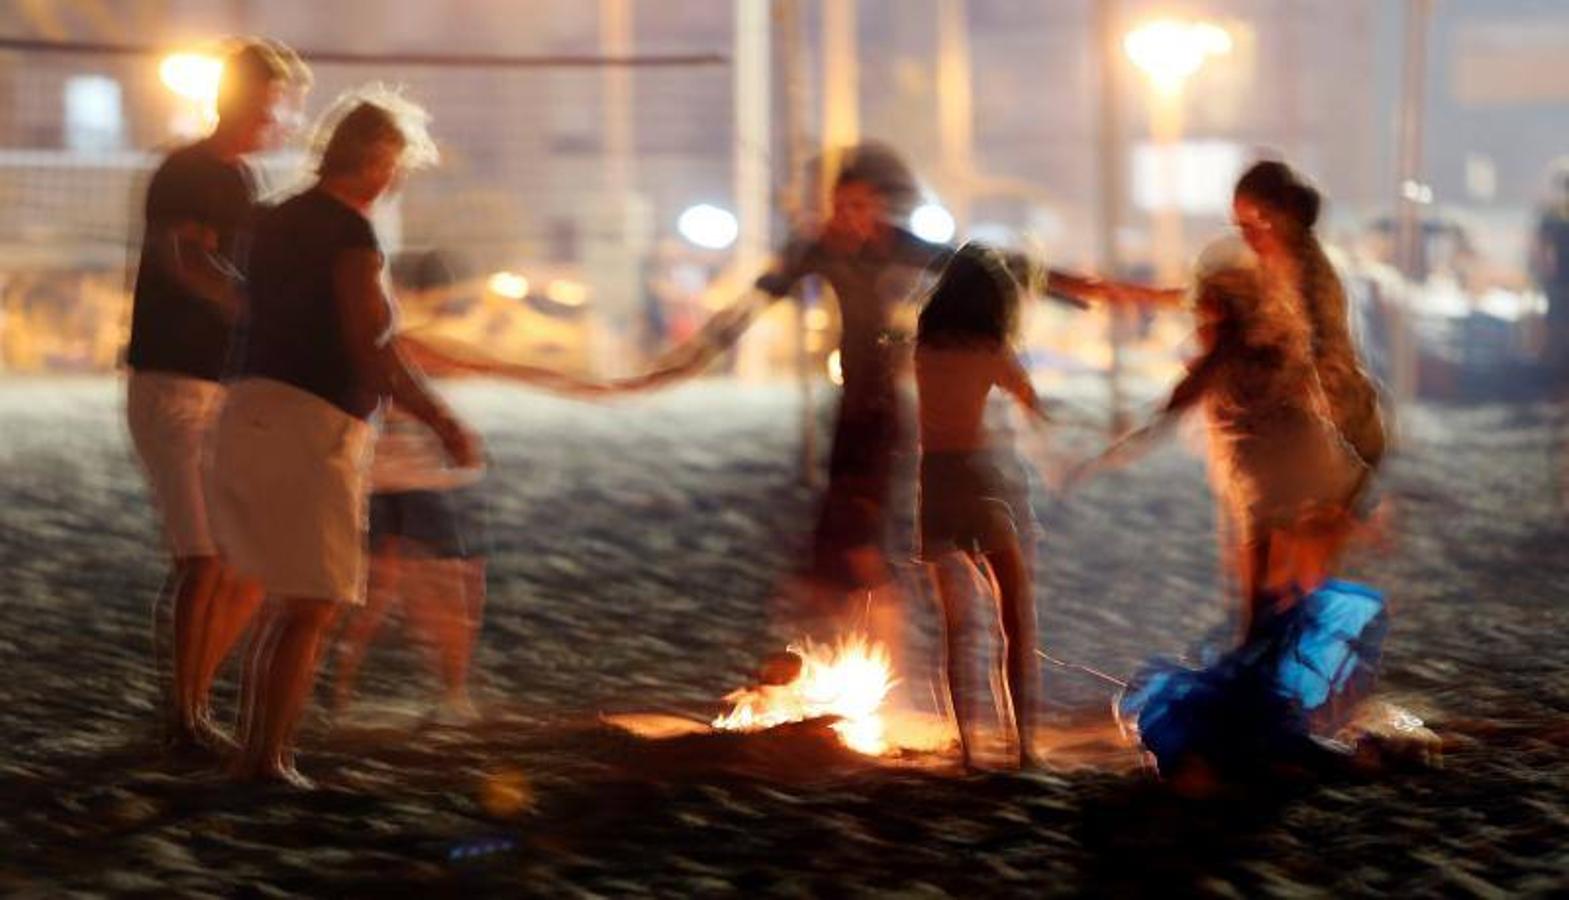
column 848, row 679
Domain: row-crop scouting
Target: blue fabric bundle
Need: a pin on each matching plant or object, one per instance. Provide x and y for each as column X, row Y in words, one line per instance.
column 1263, row 702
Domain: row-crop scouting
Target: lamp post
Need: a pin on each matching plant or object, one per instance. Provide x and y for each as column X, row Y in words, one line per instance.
column 1169, row 52
column 192, row 78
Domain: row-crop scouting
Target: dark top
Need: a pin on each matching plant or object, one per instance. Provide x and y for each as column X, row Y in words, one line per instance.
column 293, row 330
column 173, row 329
column 869, row 284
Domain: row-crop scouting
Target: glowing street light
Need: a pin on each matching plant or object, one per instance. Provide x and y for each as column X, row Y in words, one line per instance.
column 708, row 226
column 1169, row 51
column 510, row 285
column 931, row 222
column 193, row 76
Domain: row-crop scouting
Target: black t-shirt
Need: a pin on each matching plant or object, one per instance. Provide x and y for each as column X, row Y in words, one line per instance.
column 173, row 329
column 292, row 331
column 869, row 283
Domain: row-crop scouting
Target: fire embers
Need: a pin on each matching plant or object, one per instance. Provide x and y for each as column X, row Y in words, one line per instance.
column 846, row 681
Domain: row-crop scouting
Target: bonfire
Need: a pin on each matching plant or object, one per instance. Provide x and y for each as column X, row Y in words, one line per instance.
column 845, row 681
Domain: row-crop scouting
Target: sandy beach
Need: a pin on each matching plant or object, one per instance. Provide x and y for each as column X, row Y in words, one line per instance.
column 636, row 548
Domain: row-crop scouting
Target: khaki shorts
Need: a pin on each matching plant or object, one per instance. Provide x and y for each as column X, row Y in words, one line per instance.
column 288, row 488
column 170, row 419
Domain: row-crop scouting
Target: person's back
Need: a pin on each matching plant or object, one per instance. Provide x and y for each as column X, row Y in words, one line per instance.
column 293, row 332
column 953, row 382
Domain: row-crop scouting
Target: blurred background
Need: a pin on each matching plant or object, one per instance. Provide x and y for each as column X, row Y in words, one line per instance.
column 615, row 170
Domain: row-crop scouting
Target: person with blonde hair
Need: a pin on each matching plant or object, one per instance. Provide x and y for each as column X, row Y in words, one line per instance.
column 317, row 360
column 187, row 296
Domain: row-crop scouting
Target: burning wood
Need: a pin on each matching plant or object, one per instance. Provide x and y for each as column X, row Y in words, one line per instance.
column 846, row 681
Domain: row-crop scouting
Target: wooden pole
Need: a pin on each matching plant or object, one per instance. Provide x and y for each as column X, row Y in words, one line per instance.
column 1109, row 138
column 798, row 151
column 1412, row 193
column 955, row 112
column 841, row 86
column 752, row 93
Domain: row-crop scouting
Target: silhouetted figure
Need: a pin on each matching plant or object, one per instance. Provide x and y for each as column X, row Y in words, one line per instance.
column 974, row 495
column 187, row 296
column 317, row 359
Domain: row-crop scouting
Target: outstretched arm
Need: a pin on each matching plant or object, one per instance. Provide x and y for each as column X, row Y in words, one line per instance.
column 717, row 335
column 445, row 357
column 1080, row 290
column 1139, row 441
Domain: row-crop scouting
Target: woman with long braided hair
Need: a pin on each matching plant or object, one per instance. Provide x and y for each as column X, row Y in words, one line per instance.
column 1276, row 210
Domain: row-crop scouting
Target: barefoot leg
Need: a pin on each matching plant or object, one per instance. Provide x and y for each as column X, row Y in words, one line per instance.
column 289, row 671
column 1016, row 611
column 956, row 577
column 383, row 586
column 199, row 580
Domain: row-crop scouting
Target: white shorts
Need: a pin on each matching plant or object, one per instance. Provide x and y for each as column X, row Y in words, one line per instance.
column 171, row 418
column 288, row 491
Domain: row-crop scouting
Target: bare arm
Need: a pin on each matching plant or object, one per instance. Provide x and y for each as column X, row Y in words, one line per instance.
column 1014, row 379
column 188, row 252
column 1137, row 442
column 1080, row 290
column 444, row 357
column 366, row 318
column 717, row 335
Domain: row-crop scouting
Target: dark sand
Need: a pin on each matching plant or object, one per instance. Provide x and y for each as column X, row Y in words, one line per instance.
column 636, row 546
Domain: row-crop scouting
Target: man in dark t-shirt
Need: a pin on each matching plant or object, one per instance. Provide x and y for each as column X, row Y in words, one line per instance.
column 187, row 296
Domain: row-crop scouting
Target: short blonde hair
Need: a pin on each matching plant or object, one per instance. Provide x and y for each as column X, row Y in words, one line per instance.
column 362, row 118
column 253, row 63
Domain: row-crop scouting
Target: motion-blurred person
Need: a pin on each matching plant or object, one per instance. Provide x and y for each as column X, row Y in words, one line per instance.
column 974, row 495
column 1276, row 211
column 874, row 265
column 187, row 298
column 1550, row 268
column 428, row 547
column 316, row 361
column 1283, row 472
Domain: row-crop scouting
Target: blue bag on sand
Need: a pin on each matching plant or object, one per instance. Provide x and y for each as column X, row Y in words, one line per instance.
column 1265, row 701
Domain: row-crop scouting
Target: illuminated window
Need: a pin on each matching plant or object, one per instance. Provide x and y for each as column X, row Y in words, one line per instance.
column 1194, row 176
column 94, row 114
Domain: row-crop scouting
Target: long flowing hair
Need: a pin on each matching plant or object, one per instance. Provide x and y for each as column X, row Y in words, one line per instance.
column 975, row 300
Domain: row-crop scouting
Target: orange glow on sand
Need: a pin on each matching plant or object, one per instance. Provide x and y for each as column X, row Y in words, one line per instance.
column 848, row 679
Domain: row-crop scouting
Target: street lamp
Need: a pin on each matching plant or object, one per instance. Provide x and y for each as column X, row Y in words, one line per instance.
column 193, row 77
column 1169, row 52
column 708, row 226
